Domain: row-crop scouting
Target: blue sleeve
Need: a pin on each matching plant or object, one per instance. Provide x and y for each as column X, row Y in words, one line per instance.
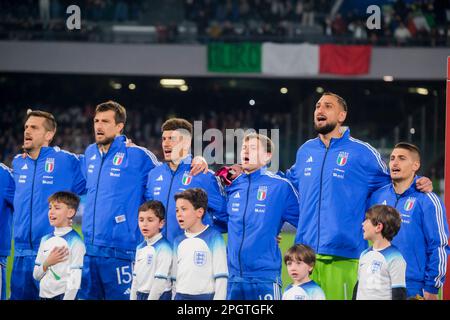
column 149, row 162
column 292, row 172
column 375, row 169
column 7, row 186
column 216, row 202
column 79, row 181
column 148, row 194
column 82, row 159
column 292, row 209
column 435, row 229
column 372, row 200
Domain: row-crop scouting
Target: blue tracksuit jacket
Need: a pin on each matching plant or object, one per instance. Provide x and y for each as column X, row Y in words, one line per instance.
column 334, row 185
column 163, row 184
column 258, row 204
column 36, row 180
column 115, row 184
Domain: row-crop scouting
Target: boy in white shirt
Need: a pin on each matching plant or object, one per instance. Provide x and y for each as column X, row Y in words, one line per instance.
column 200, row 261
column 300, row 260
column 382, row 268
column 151, row 276
column 60, row 257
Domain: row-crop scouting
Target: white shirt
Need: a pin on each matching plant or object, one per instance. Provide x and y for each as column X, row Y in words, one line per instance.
column 305, row 291
column 200, row 263
column 152, row 268
column 379, row 272
column 64, row 277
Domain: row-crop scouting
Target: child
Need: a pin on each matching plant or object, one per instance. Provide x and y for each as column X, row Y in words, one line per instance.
column 151, row 279
column 200, row 261
column 60, row 256
column 381, row 271
column 300, row 260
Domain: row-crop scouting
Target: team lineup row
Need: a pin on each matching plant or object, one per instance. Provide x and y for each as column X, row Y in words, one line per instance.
column 325, row 195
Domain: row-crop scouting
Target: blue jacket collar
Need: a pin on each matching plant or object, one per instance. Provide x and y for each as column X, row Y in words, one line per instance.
column 185, row 164
column 255, row 174
column 45, row 151
column 411, row 189
column 116, row 144
column 336, row 141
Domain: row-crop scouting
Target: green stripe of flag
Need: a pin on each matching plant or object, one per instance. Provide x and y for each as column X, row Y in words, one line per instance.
column 234, row 57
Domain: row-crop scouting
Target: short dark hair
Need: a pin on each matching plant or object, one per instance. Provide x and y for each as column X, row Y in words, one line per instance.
column 49, row 123
column 120, row 113
column 408, row 146
column 70, row 199
column 388, row 216
column 156, row 206
column 340, row 100
column 265, row 141
column 196, row 196
column 301, row 252
column 176, row 124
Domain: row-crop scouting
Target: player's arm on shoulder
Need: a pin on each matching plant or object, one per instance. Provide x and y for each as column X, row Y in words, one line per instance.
column 79, row 176
column 424, row 184
column 217, row 202
column 374, row 168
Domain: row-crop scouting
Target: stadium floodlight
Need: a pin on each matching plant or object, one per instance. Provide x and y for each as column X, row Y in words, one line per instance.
column 252, row 102
column 422, row 91
column 184, row 88
column 284, row 90
column 388, row 78
column 319, row 90
column 172, row 83
column 131, row 86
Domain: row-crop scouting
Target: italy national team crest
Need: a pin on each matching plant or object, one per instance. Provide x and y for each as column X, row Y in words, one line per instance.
column 199, row 258
column 118, row 158
column 49, row 165
column 186, row 179
column 342, row 158
column 262, row 193
column 409, row 204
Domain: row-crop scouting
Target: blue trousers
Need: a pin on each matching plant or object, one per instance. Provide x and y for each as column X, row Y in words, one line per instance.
column 23, row 285
column 253, row 289
column 106, row 278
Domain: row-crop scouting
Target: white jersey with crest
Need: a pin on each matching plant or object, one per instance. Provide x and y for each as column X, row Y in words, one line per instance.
column 379, row 272
column 64, row 277
column 200, row 259
column 305, row 291
column 152, row 267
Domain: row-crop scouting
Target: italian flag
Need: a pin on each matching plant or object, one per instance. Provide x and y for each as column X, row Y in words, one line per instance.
column 289, row 59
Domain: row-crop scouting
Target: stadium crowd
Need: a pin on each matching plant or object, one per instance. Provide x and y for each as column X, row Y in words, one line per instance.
column 419, row 22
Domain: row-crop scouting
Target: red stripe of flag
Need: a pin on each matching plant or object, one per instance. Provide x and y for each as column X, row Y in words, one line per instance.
column 346, row 60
